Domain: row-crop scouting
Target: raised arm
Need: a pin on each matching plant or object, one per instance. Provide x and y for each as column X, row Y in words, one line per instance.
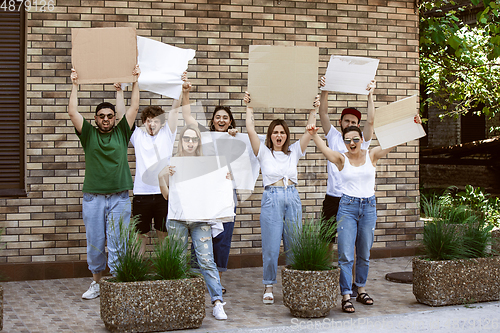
column 173, row 114
column 306, row 137
column 323, row 108
column 377, row 153
column 134, row 100
column 250, row 124
column 74, row 115
column 186, row 107
column 368, row 129
column 163, row 178
column 120, row 101
column 333, row 156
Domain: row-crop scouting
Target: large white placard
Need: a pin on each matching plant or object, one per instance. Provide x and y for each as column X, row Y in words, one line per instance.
column 199, row 190
column 162, row 66
column 350, row 74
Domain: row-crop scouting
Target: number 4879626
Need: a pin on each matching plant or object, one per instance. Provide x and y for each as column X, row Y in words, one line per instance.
column 28, row 5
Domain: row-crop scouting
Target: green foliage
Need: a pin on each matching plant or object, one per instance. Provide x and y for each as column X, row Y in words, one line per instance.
column 131, row 265
column 171, row 260
column 459, row 64
column 445, row 239
column 480, row 201
column 473, row 201
column 309, row 246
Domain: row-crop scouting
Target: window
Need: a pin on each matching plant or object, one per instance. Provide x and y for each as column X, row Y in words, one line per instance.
column 12, row 103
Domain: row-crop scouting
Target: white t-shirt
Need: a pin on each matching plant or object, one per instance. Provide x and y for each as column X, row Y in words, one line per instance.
column 152, row 154
column 336, row 143
column 280, row 165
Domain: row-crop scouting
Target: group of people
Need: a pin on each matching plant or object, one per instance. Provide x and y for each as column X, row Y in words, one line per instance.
column 350, row 196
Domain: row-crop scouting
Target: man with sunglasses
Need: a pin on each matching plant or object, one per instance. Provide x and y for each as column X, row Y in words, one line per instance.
column 107, row 179
column 349, row 117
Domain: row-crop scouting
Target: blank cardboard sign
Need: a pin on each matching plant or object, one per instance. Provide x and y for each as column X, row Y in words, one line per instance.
column 283, row 76
column 394, row 123
column 104, row 55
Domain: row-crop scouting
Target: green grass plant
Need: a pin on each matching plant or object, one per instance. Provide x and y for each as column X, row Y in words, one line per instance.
column 171, row 260
column 457, row 233
column 131, row 265
column 309, row 246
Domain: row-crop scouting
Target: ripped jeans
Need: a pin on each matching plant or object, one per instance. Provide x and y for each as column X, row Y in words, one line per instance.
column 201, row 234
column 356, row 220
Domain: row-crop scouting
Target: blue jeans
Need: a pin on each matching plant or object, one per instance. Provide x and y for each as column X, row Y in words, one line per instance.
column 281, row 212
column 222, row 246
column 101, row 215
column 201, row 235
column 356, row 227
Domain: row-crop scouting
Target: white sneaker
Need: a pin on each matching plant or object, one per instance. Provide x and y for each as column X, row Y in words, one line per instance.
column 218, row 312
column 92, row 292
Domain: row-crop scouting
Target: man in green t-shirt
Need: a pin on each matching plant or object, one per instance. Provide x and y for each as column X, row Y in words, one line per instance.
column 107, row 179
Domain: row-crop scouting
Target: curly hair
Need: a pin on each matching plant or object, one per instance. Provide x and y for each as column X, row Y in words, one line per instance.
column 152, row 111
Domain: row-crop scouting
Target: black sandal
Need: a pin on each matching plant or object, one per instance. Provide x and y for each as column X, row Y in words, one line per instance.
column 347, row 305
column 364, row 298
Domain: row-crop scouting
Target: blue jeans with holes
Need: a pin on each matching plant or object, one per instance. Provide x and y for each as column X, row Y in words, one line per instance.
column 201, row 235
column 281, row 212
column 101, row 215
column 356, row 228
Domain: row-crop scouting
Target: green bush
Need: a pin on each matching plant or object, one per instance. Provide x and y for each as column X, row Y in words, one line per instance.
column 473, row 199
column 309, row 246
column 171, row 260
column 131, row 265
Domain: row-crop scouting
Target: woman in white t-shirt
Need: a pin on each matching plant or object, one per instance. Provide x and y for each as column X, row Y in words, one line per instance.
column 281, row 207
column 200, row 231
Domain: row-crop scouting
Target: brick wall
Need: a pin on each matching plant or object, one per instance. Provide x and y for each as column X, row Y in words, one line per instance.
column 47, row 225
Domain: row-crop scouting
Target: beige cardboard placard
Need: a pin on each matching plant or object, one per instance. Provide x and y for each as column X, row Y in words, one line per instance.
column 283, row 76
column 394, row 123
column 104, row 55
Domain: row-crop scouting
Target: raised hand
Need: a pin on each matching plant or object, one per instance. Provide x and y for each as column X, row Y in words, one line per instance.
column 74, row 76
column 247, row 98
column 316, row 102
column 312, row 129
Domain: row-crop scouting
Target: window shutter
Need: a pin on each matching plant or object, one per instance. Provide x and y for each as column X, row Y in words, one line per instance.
column 12, row 103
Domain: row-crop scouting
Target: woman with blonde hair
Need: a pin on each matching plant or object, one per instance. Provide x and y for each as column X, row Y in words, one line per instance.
column 201, row 235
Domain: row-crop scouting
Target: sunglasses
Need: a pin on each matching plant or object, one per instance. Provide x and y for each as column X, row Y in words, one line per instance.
column 348, row 141
column 109, row 116
column 193, row 139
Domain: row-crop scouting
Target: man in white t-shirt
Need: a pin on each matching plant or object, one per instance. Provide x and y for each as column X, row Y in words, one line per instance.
column 349, row 117
column 153, row 144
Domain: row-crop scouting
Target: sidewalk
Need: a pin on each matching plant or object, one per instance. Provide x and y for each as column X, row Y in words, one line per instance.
column 56, row 306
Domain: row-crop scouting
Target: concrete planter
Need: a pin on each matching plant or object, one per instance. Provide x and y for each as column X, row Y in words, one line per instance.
column 1, row 308
column 150, row 306
column 495, row 236
column 310, row 294
column 450, row 282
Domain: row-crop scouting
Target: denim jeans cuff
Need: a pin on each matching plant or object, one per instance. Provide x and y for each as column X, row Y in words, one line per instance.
column 215, row 298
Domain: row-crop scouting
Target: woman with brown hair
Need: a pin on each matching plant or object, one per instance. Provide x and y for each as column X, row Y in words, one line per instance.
column 281, row 208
